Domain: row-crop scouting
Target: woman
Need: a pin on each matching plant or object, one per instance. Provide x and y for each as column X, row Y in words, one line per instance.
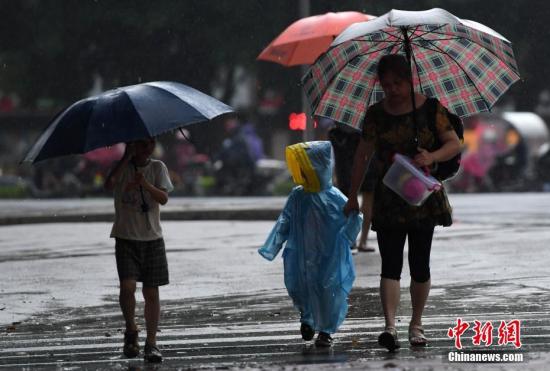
column 389, row 128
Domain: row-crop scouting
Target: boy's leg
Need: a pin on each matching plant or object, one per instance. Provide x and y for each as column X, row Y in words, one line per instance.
column 155, row 274
column 127, row 259
column 152, row 313
column 127, row 300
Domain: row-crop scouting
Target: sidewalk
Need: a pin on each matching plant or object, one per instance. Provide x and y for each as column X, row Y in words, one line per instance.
column 102, row 209
column 492, row 265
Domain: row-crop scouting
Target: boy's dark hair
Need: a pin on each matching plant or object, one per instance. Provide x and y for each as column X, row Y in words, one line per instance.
column 395, row 63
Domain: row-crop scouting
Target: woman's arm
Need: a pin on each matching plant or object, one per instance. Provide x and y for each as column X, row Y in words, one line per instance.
column 450, row 144
column 450, row 147
column 363, row 153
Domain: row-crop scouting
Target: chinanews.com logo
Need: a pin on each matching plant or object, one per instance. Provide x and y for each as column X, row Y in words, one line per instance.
column 486, row 347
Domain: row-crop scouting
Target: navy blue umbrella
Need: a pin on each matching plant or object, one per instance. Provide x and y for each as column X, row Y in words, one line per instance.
column 122, row 115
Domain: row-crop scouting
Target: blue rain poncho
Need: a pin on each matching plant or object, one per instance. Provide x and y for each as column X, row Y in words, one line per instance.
column 318, row 266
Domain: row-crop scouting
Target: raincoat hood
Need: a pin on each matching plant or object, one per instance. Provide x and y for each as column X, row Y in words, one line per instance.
column 310, row 165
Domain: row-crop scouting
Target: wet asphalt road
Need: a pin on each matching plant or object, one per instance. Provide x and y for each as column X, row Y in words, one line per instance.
column 227, row 308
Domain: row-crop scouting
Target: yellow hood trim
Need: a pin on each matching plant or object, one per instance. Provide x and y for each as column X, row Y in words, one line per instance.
column 300, row 167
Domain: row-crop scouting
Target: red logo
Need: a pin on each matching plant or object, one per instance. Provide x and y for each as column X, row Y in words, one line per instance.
column 508, row 333
column 457, row 331
column 484, row 334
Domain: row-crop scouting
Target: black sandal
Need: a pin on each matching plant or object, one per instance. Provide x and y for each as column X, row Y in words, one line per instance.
column 131, row 344
column 388, row 339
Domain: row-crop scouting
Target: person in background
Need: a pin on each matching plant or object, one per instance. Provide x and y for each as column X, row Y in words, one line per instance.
column 235, row 164
column 344, row 142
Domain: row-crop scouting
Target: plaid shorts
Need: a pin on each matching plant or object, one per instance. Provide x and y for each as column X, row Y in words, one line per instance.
column 143, row 261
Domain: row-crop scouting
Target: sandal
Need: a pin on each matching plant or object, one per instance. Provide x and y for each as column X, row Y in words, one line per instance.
column 131, row 344
column 365, row 248
column 152, row 353
column 388, row 339
column 416, row 336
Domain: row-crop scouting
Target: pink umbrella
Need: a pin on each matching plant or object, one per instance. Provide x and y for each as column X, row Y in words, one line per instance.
column 106, row 155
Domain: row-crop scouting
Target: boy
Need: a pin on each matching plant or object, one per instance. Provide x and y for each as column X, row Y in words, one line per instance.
column 140, row 185
column 318, row 267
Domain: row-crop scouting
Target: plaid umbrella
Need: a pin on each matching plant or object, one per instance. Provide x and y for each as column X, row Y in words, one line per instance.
column 464, row 64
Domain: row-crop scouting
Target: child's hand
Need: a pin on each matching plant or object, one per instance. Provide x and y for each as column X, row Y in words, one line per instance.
column 351, row 205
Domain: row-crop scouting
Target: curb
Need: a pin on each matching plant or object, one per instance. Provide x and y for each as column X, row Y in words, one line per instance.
column 213, row 214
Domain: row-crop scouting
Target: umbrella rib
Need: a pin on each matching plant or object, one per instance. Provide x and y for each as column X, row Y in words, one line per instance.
column 472, row 41
column 426, row 32
column 481, row 46
column 439, row 33
column 446, row 39
column 438, row 49
column 397, row 42
column 417, row 74
column 398, row 36
column 374, row 51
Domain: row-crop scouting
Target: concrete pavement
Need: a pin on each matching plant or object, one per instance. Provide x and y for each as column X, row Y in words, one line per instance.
column 490, row 266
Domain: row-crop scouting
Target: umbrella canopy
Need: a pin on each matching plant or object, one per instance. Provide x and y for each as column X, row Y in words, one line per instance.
column 464, row 64
column 307, row 38
column 122, row 115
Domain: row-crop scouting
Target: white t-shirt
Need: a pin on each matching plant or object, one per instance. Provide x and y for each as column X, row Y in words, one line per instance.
column 131, row 222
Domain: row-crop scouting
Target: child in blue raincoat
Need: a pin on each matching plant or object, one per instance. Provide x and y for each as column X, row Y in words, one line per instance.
column 318, row 266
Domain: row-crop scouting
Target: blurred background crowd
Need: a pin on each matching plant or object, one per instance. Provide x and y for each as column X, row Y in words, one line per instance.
column 53, row 53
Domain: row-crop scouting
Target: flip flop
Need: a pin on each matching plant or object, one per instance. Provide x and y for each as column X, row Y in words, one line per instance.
column 365, row 248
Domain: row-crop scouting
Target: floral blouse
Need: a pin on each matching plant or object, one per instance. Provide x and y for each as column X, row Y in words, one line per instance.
column 396, row 134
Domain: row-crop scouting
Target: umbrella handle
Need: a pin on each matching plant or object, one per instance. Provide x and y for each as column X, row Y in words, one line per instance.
column 185, row 136
column 144, row 206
